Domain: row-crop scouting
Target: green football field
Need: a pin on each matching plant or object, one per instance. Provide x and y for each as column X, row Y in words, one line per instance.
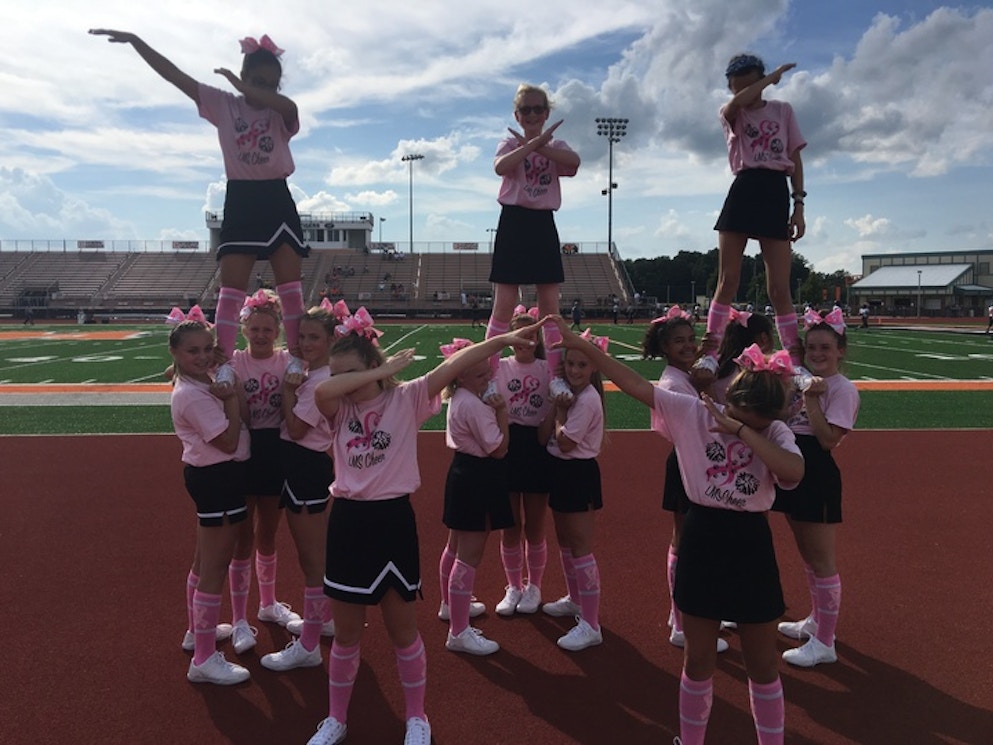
column 138, row 354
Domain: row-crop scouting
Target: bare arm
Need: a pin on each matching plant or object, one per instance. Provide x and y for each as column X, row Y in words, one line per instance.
column 503, row 422
column 747, row 96
column 827, row 434
column 227, row 441
column 507, row 162
column 156, row 61
column 329, row 393
column 295, row 426
column 263, row 97
column 465, row 358
column 798, row 225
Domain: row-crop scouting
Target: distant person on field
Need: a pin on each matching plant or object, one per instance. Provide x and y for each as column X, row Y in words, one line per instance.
column 864, row 316
column 989, row 323
column 577, row 315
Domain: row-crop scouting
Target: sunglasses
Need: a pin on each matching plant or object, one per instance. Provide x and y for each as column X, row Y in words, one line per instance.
column 527, row 110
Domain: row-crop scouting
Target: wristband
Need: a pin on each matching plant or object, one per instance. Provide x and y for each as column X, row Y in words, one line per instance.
column 797, row 201
column 799, row 195
column 738, row 433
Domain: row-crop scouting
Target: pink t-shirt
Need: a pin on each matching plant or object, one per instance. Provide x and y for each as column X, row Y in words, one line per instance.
column 471, row 425
column 765, row 137
column 675, row 380
column 840, row 404
column 262, row 380
column 524, row 388
column 718, row 469
column 375, row 442
column 198, row 417
column 583, row 425
column 318, row 437
column 255, row 143
column 535, row 182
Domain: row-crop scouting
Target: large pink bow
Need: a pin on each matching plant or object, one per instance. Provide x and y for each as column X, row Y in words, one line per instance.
column 249, row 45
column 360, row 323
column 739, row 316
column 447, row 350
column 520, row 309
column 754, row 360
column 835, row 319
column 260, row 299
column 176, row 316
column 674, row 312
column 600, row 342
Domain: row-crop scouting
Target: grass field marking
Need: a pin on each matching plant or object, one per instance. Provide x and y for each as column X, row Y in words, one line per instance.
column 896, row 370
column 71, row 357
column 414, row 331
column 116, row 335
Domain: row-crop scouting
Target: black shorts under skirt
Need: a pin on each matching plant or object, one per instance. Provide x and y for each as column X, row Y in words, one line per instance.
column 575, row 485
column 476, row 494
column 372, row 546
column 527, row 249
column 817, row 498
column 259, row 217
column 218, row 491
column 308, row 476
column 758, row 205
column 727, row 567
column 674, row 498
column 265, row 470
column 528, row 461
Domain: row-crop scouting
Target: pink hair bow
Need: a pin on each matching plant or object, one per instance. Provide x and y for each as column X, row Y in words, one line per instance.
column 326, row 305
column 520, row 309
column 811, row 318
column 447, row 350
column 600, row 342
column 739, row 316
column 340, row 310
column 360, row 323
column 754, row 360
column 176, row 316
column 260, row 299
column 835, row 319
column 675, row 312
column 249, row 45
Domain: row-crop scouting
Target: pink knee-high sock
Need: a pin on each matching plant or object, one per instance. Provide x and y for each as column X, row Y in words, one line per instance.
column 495, row 328
column 460, row 595
column 812, row 589
column 717, row 321
column 412, row 664
column 553, row 356
column 789, row 335
column 513, row 564
column 343, row 666
column 315, row 604
column 291, row 299
column 448, row 558
column 695, row 699
column 206, row 614
column 671, row 559
column 588, row 582
column 828, row 607
column 229, row 302
column 565, row 555
column 768, row 711
column 239, row 580
column 536, row 556
column 192, row 582
column 265, row 569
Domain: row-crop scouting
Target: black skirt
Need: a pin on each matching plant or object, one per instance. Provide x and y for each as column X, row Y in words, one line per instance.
column 476, row 494
column 259, row 217
column 218, row 491
column 817, row 498
column 527, row 249
column 265, row 471
column 308, row 476
column 674, row 497
column 576, row 485
column 528, row 462
column 758, row 205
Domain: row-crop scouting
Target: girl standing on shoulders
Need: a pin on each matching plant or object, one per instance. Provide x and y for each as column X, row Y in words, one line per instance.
column 574, row 430
column 829, row 409
column 743, row 330
column 372, row 548
column 260, row 222
column 208, row 420
column 476, row 494
column 730, row 459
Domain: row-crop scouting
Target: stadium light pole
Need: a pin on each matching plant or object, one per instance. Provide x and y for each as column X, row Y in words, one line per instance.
column 919, row 293
column 381, row 221
column 409, row 159
column 613, row 129
column 492, row 232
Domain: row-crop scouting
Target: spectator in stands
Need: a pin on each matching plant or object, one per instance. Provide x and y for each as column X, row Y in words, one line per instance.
column 527, row 247
column 260, row 217
column 615, row 310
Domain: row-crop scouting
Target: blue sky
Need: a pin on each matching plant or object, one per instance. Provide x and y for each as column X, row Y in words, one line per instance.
column 894, row 99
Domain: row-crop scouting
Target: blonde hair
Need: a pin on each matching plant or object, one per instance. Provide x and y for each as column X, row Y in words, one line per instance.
column 524, row 89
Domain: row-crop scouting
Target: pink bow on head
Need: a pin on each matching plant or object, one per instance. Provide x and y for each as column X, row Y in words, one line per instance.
column 600, row 342
column 260, row 299
column 520, row 310
column 176, row 316
column 835, row 319
column 360, row 323
column 249, row 45
column 739, row 316
column 326, row 305
column 447, row 350
column 754, row 360
column 674, row 312
column 340, row 310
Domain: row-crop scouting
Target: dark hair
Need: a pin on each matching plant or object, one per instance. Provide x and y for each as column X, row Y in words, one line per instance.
column 761, row 392
column 658, row 334
column 526, row 319
column 736, row 338
column 741, row 64
column 261, row 58
column 841, row 339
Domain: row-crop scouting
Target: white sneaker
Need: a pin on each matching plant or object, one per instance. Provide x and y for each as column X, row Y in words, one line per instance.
column 490, row 392
column 295, row 627
column 292, row 656
column 277, row 613
column 561, row 608
column 678, row 639
column 418, row 732
column 329, row 732
column 224, row 631
column 802, row 378
column 472, row 641
column 243, row 636
column 728, row 625
column 802, row 629
column 296, row 366
column 580, row 636
column 215, row 669
column 511, row 598
column 558, row 387
column 530, row 599
column 475, row 609
column 225, row 374
column 707, row 363
column 812, row 653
